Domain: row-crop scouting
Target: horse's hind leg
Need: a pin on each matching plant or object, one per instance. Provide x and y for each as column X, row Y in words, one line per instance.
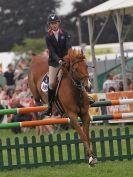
column 35, row 93
column 33, row 88
column 83, row 136
column 85, row 125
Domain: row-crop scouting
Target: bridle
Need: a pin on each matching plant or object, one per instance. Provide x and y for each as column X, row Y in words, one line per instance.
column 77, row 82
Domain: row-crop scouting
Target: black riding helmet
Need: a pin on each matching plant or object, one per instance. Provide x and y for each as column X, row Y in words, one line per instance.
column 53, row 18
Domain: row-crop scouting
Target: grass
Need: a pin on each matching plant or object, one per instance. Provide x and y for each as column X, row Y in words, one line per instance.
column 104, row 169
column 108, row 168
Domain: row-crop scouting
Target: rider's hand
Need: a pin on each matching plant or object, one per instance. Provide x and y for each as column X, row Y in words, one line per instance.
column 60, row 62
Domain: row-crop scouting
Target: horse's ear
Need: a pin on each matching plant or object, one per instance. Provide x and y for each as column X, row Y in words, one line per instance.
column 82, row 53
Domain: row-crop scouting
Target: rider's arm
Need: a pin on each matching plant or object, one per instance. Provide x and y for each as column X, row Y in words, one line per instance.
column 52, row 50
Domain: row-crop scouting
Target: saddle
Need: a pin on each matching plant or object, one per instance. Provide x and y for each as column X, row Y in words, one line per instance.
column 44, row 88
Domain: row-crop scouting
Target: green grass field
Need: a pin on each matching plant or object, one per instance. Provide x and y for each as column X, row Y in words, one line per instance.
column 102, row 169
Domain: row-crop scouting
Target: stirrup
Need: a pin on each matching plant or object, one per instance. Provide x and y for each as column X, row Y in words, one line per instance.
column 48, row 112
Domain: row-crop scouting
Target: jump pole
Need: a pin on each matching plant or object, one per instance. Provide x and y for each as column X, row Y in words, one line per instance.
column 112, row 117
column 42, row 108
column 47, row 121
column 51, row 121
column 112, row 102
column 23, row 110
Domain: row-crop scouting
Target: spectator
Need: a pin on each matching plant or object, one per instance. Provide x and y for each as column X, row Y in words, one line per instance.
column 10, row 93
column 18, row 74
column 109, row 83
column 24, row 66
column 111, row 89
column 2, row 79
column 9, row 76
column 17, row 92
column 2, row 93
column 25, row 93
column 131, row 85
column 121, row 88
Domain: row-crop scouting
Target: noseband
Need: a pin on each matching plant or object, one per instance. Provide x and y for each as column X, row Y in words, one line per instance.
column 77, row 82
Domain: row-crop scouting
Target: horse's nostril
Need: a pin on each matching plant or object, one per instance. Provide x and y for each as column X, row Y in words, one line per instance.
column 88, row 89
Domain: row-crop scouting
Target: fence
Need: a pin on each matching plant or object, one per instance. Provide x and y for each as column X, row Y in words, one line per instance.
column 48, row 151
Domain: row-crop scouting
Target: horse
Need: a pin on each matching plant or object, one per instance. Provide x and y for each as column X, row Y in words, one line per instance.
column 71, row 92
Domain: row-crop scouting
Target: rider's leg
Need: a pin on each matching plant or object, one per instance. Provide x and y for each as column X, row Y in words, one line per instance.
column 50, row 101
column 51, row 90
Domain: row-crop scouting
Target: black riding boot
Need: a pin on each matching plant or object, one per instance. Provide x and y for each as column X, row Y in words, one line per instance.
column 51, row 94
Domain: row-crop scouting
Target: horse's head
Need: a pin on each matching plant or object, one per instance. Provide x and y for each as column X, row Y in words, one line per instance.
column 78, row 68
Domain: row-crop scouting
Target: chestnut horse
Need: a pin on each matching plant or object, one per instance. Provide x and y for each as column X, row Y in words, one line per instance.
column 71, row 93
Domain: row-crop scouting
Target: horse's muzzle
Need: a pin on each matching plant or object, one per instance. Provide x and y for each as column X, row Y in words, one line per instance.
column 86, row 82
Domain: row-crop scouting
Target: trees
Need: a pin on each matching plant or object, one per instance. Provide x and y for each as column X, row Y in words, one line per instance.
column 23, row 19
column 30, row 45
column 20, row 19
column 79, row 7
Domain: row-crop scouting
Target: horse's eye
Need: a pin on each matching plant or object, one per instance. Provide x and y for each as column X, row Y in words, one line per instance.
column 76, row 69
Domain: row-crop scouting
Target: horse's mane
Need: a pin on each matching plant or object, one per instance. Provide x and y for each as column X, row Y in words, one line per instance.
column 74, row 54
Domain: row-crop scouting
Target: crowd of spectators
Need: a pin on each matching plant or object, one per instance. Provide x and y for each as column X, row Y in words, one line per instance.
column 14, row 89
column 113, row 83
column 13, row 81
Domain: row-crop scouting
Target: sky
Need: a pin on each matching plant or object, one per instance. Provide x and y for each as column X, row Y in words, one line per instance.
column 66, row 6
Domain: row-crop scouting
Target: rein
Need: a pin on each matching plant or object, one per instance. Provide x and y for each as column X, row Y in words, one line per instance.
column 79, row 85
column 77, row 82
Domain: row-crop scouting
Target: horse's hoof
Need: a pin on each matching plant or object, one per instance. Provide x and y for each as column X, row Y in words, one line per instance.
column 92, row 161
column 43, row 115
column 39, row 116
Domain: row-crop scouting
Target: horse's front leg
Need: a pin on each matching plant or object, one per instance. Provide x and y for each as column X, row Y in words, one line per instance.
column 83, row 136
column 86, row 124
column 38, row 103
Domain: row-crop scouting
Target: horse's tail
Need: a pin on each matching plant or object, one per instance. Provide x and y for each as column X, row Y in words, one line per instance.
column 33, row 86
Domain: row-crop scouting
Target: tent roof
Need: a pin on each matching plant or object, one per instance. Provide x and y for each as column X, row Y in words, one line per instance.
column 110, row 6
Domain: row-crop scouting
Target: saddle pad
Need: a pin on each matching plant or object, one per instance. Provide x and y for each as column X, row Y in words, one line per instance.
column 44, row 88
column 44, row 83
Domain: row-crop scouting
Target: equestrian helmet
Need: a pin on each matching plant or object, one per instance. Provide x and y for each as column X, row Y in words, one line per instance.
column 53, row 18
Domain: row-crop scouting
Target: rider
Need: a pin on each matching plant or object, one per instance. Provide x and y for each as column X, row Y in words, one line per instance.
column 58, row 44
